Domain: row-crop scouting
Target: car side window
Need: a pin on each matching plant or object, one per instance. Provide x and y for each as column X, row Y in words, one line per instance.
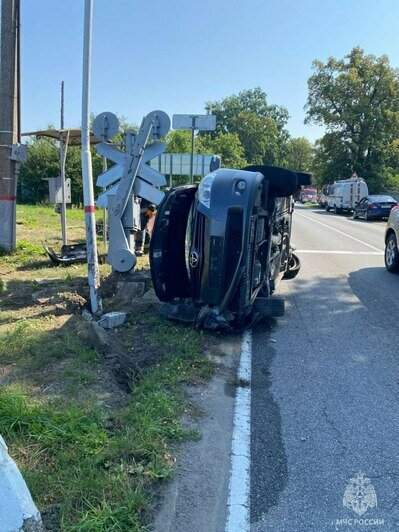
column 366, row 202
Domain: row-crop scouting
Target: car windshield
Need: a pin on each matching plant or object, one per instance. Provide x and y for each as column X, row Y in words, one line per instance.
column 309, row 191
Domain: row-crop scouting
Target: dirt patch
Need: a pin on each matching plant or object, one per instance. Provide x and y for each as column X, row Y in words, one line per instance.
column 126, row 350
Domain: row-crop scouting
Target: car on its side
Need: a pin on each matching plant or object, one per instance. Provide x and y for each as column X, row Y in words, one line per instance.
column 391, row 241
column 374, row 207
column 220, row 248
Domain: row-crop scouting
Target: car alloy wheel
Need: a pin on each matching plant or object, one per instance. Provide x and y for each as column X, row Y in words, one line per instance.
column 392, row 254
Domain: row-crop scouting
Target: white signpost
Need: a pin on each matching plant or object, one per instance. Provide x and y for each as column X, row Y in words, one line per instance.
column 193, row 123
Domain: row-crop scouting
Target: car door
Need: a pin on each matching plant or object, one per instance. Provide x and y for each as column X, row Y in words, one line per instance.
column 360, row 207
column 364, row 207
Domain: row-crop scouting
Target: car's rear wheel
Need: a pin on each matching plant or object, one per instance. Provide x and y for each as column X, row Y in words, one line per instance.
column 327, row 208
column 293, row 267
column 392, row 254
column 355, row 216
column 366, row 216
column 337, row 210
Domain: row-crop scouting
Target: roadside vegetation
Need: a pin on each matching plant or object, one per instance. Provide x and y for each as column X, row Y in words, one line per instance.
column 92, row 454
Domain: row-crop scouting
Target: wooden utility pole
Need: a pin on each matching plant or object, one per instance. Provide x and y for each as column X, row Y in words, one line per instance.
column 9, row 121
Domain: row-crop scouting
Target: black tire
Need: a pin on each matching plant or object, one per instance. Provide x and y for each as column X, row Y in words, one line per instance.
column 355, row 217
column 293, row 267
column 327, row 208
column 337, row 210
column 366, row 216
column 282, row 182
column 269, row 307
column 167, row 249
column 391, row 255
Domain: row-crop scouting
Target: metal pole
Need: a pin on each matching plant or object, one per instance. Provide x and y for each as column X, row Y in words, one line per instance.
column 62, row 105
column 63, row 153
column 104, row 161
column 8, row 120
column 87, row 174
column 192, row 150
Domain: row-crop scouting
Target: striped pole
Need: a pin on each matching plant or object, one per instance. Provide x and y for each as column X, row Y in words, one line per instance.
column 8, row 120
column 87, row 174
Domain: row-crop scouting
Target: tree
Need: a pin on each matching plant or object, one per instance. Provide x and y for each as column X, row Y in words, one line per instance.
column 299, row 154
column 178, row 141
column 357, row 100
column 226, row 145
column 259, row 126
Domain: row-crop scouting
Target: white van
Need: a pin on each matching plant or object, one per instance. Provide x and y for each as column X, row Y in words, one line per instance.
column 345, row 193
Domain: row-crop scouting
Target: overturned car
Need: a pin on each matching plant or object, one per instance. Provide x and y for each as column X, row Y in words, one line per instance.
column 220, row 248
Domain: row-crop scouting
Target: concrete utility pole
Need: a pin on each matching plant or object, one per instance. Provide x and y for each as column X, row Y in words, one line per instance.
column 9, row 68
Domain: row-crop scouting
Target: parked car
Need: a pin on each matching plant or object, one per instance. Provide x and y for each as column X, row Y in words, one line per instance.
column 391, row 241
column 345, row 193
column 374, row 207
column 308, row 195
column 323, row 196
column 220, row 248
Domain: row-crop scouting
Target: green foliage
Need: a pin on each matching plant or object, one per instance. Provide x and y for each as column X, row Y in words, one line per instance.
column 299, row 154
column 357, row 99
column 260, row 127
column 178, row 141
column 226, row 145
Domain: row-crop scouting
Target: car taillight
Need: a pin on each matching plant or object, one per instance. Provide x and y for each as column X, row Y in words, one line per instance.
column 372, row 206
column 395, row 207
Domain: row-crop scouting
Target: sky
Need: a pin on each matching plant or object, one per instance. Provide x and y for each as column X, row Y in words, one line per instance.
column 175, row 55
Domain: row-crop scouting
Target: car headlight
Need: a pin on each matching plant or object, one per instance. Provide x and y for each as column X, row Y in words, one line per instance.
column 204, row 190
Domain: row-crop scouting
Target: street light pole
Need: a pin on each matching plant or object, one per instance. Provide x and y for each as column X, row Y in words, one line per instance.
column 9, row 69
column 87, row 173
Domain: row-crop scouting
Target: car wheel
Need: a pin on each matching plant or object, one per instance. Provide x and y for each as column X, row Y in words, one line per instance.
column 392, row 254
column 293, row 267
column 327, row 208
column 355, row 217
column 337, row 210
column 366, row 216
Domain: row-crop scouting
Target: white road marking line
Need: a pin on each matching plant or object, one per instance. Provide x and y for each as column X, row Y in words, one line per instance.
column 239, row 489
column 338, row 231
column 332, row 252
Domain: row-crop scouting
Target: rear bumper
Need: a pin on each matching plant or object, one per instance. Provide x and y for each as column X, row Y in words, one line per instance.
column 379, row 213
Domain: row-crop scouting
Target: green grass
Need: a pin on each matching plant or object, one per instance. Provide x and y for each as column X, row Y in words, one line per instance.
column 45, row 215
column 83, row 445
column 32, row 343
column 98, row 463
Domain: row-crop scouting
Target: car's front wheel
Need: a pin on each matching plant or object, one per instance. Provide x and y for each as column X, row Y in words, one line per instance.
column 392, row 254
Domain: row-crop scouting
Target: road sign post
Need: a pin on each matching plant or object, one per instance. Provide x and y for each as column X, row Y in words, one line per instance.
column 194, row 123
column 87, row 174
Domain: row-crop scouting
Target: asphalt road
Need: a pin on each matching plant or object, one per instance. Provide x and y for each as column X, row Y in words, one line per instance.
column 325, row 386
